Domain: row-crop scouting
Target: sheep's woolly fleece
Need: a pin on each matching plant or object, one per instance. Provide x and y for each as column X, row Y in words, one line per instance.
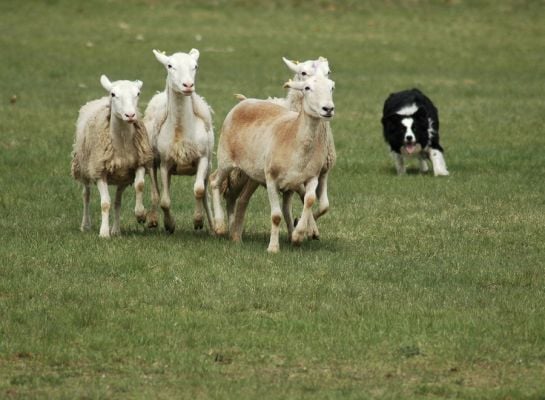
column 94, row 154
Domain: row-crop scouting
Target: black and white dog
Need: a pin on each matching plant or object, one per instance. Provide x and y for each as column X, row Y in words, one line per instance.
column 411, row 127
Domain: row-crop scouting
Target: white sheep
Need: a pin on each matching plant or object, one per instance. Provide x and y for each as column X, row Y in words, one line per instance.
column 280, row 148
column 179, row 124
column 111, row 147
column 236, row 189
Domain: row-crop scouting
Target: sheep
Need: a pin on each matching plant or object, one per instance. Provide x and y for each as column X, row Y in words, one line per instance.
column 111, row 147
column 179, row 125
column 237, row 182
column 280, row 148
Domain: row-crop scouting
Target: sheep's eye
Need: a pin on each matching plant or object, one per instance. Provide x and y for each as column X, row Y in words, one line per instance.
column 329, row 72
column 138, row 94
column 304, row 73
column 307, row 88
column 113, row 94
column 169, row 65
column 196, row 67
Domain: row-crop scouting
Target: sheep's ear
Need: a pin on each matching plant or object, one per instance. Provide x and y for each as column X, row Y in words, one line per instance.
column 138, row 84
column 294, row 85
column 291, row 65
column 161, row 57
column 322, row 59
column 105, row 82
column 195, row 54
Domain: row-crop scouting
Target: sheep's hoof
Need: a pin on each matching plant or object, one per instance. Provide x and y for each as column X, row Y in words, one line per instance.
column 85, row 228
column 315, row 236
column 170, row 228
column 198, row 224
column 297, row 238
column 273, row 249
column 152, row 224
column 141, row 217
column 115, row 232
column 220, row 229
column 104, row 235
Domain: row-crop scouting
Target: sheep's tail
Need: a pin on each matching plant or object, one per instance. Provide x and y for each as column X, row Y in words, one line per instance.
column 240, row 97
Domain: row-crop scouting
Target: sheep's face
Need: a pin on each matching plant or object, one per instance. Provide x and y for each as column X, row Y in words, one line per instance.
column 181, row 70
column 123, row 98
column 318, row 96
column 306, row 69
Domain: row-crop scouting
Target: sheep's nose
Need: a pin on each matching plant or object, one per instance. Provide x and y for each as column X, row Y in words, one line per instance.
column 130, row 116
column 328, row 110
column 188, row 85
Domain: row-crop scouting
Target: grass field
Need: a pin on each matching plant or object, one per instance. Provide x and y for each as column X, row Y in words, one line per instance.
column 420, row 287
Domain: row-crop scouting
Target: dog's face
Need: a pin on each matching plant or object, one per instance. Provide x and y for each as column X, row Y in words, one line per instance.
column 407, row 131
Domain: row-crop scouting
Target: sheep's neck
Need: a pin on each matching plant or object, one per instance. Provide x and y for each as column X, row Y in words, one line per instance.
column 308, row 129
column 180, row 115
column 295, row 100
column 121, row 132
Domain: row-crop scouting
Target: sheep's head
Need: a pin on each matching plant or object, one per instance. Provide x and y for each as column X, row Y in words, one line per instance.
column 181, row 70
column 317, row 95
column 306, row 69
column 123, row 98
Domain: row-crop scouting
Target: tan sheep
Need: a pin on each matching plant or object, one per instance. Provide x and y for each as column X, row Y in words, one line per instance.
column 280, row 148
column 236, row 189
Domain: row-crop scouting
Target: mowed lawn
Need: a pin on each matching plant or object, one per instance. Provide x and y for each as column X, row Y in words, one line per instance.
column 420, row 287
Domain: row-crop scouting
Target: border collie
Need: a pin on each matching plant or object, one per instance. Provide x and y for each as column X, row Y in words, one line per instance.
column 411, row 127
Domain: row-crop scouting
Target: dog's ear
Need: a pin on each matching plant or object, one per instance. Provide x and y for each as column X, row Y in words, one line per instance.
column 391, row 119
column 420, row 113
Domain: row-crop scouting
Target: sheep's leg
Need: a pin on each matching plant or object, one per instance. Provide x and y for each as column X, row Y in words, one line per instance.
column 102, row 186
column 139, row 210
column 153, row 219
column 207, row 208
column 199, row 190
column 438, row 162
column 321, row 193
column 217, row 179
column 400, row 165
column 170, row 225
column 235, row 186
column 230, row 205
column 286, row 211
column 276, row 216
column 312, row 228
column 240, row 209
column 86, row 220
column 116, row 228
column 310, row 197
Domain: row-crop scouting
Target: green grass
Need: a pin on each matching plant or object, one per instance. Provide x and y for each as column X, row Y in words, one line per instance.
column 420, row 287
